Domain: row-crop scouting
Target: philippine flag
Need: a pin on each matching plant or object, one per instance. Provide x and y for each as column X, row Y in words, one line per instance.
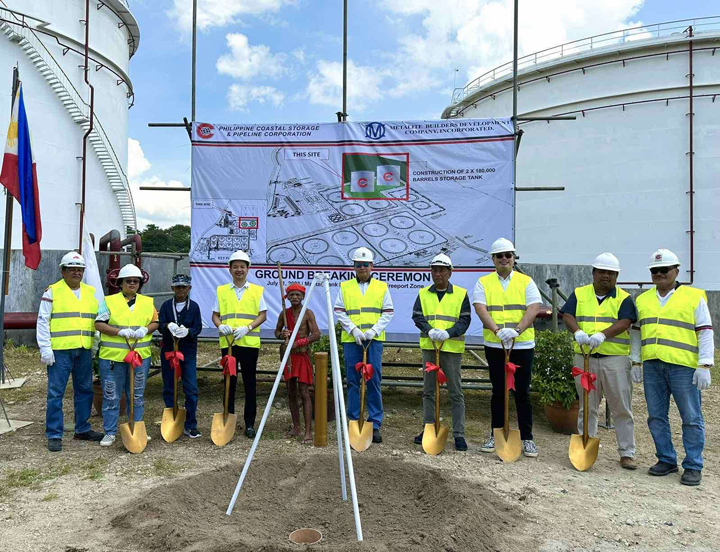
column 19, row 176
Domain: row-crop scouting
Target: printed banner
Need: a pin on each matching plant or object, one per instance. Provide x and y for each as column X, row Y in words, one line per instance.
column 308, row 195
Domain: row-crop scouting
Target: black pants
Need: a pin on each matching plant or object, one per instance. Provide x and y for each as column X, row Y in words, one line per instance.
column 247, row 366
column 496, row 362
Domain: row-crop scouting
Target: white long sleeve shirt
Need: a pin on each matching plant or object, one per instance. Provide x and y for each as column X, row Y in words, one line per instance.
column 705, row 336
column 388, row 311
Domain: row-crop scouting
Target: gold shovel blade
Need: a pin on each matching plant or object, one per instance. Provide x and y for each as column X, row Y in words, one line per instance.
column 508, row 449
column 431, row 443
column 360, row 440
column 171, row 426
column 583, row 457
column 134, row 440
column 222, row 432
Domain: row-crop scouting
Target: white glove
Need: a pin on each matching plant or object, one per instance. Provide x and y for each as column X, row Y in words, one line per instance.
column 596, row 340
column 358, row 335
column 433, row 334
column 47, row 356
column 241, row 332
column 506, row 335
column 182, row 331
column 636, row 373
column 370, row 335
column 224, row 329
column 701, row 378
column 127, row 333
column 440, row 335
column 582, row 338
column 173, row 328
column 140, row 332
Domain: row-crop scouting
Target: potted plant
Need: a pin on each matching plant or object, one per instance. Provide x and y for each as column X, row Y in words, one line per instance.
column 553, row 381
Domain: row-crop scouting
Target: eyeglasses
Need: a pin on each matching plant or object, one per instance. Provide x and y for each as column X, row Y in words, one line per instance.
column 506, row 255
column 362, row 265
column 131, row 281
column 661, row 269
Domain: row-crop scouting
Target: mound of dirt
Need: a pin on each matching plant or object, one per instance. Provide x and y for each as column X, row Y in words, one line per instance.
column 403, row 506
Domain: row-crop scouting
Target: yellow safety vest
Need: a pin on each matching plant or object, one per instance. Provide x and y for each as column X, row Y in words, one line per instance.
column 114, row 347
column 506, row 307
column 593, row 318
column 668, row 332
column 442, row 315
column 363, row 310
column 236, row 313
column 72, row 321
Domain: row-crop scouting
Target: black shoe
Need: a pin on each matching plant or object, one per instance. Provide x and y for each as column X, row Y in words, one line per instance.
column 418, row 438
column 88, row 436
column 691, row 478
column 54, row 445
column 460, row 444
column 250, row 432
column 377, row 438
column 192, row 433
column 662, row 468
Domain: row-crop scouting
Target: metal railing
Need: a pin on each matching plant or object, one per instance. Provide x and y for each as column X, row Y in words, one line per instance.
column 614, row 38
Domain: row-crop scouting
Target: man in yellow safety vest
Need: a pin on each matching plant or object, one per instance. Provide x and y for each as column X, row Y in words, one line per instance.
column 364, row 309
column 65, row 331
column 600, row 315
column 676, row 342
column 507, row 302
column 238, row 313
column 442, row 314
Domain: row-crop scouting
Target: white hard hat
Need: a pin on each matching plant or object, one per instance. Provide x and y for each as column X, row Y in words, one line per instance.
column 501, row 245
column 72, row 259
column 363, row 254
column 239, row 256
column 441, row 260
column 130, row 270
column 606, row 261
column 663, row 257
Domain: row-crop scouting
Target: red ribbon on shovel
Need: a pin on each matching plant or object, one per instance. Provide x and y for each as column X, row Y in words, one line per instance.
column 134, row 359
column 586, row 378
column 366, row 369
column 510, row 371
column 441, row 377
column 229, row 365
column 174, row 358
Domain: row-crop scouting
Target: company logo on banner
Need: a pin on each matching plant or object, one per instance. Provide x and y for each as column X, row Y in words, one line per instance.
column 205, row 131
column 375, row 131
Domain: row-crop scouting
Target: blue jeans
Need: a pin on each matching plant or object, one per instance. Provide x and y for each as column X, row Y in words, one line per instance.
column 189, row 385
column 77, row 362
column 373, row 397
column 661, row 380
column 115, row 378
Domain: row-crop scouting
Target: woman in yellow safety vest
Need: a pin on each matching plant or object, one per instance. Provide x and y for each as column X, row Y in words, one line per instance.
column 126, row 321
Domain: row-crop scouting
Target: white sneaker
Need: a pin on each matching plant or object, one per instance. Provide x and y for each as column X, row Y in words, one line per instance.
column 529, row 449
column 149, row 438
column 107, row 440
column 489, row 445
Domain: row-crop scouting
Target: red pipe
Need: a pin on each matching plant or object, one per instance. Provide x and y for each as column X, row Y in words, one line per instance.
column 89, row 130
column 111, row 242
column 691, row 154
column 20, row 320
column 136, row 241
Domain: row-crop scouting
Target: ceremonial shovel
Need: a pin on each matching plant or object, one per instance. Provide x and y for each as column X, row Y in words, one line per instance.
column 435, row 435
column 507, row 441
column 133, row 434
column 223, row 423
column 361, row 431
column 173, row 419
column 583, row 449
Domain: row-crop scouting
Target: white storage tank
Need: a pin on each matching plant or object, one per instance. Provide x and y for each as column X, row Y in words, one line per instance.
column 46, row 39
column 625, row 161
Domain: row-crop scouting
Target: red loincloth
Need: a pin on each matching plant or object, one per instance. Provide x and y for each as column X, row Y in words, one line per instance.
column 299, row 365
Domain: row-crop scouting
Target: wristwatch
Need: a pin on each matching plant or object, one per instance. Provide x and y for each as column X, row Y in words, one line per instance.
column 708, row 366
column 517, row 329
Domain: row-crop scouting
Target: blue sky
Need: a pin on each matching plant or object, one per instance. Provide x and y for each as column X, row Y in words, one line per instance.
column 280, row 61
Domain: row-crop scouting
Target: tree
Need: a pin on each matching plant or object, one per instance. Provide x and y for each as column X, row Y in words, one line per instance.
column 175, row 239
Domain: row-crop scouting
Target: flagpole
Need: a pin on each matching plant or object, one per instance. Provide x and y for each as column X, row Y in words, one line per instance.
column 7, row 247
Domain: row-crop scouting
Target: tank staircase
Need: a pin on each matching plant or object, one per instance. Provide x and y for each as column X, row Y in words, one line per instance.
column 24, row 36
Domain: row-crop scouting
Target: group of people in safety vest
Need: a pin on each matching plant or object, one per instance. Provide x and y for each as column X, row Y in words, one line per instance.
column 673, row 353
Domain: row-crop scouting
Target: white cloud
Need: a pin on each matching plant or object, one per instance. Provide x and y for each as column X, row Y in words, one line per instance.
column 161, row 208
column 299, row 54
column 219, row 13
column 246, row 62
column 364, row 85
column 239, row 96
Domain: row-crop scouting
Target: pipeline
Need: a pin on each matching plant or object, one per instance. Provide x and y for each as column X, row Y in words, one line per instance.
column 111, row 242
column 90, row 129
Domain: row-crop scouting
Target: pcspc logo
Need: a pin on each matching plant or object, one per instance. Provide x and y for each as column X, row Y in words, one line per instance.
column 375, row 131
column 362, row 182
column 205, row 131
column 388, row 177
